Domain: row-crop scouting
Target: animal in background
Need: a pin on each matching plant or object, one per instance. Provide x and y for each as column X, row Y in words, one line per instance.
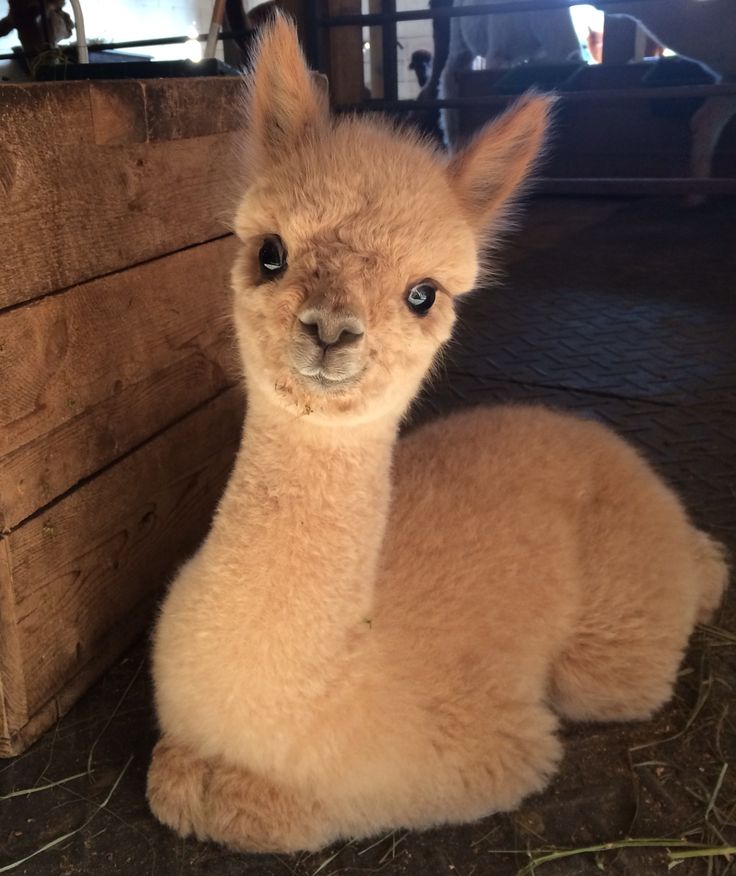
column 421, row 64
column 594, row 41
column 40, row 25
column 381, row 632
column 428, row 120
column 247, row 25
column 503, row 40
column 703, row 31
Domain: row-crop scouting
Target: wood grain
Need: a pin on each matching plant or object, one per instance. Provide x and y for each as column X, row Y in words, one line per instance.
column 91, row 373
column 90, row 558
column 119, row 406
column 96, row 177
column 13, row 705
column 105, row 650
column 376, row 53
column 345, row 55
column 199, row 108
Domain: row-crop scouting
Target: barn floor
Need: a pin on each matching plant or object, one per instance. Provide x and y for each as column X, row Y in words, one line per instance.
column 620, row 310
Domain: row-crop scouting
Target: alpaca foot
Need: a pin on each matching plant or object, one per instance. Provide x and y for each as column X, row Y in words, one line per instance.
column 230, row 805
column 617, row 683
column 524, row 758
column 251, row 814
column 176, row 787
column 518, row 755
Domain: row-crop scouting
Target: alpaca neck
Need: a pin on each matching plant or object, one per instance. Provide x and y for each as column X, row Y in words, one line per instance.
column 304, row 517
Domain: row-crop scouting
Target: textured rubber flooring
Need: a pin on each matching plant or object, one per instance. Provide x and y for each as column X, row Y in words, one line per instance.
column 632, row 321
column 623, row 311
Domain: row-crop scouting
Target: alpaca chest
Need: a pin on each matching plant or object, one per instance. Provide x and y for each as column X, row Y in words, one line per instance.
column 235, row 675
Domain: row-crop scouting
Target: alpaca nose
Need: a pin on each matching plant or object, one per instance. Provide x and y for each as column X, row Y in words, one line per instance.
column 329, row 329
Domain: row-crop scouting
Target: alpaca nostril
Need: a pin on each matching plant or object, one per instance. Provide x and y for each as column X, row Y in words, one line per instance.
column 346, row 337
column 328, row 330
column 312, row 330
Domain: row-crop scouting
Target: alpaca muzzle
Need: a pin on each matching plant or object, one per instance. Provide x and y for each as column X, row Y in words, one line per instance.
column 328, row 347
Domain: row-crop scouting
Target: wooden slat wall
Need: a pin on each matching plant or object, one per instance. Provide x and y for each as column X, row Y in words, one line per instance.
column 97, row 177
column 92, row 372
column 102, row 552
column 120, row 397
column 72, row 581
column 13, row 704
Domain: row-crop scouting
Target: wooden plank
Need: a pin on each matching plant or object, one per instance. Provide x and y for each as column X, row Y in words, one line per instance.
column 90, row 558
column 91, row 373
column 118, row 111
column 101, row 212
column 105, row 651
column 345, row 55
column 13, row 705
column 94, row 178
column 165, row 109
column 376, row 53
column 196, row 109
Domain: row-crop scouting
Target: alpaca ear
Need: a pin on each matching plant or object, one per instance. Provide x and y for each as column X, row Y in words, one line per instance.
column 492, row 169
column 284, row 101
column 322, row 85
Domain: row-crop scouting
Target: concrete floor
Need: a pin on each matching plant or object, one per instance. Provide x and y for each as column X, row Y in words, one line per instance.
column 620, row 310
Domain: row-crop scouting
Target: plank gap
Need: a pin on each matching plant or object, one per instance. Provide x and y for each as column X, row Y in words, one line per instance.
column 113, row 462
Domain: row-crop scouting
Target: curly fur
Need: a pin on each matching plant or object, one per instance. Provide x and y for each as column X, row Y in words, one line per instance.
column 381, row 633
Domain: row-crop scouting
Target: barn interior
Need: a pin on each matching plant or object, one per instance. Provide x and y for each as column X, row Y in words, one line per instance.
column 121, row 399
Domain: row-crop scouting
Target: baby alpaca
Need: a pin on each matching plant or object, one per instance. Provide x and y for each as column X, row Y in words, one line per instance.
column 377, row 633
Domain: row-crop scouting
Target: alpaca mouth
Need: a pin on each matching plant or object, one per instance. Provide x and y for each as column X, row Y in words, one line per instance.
column 323, row 379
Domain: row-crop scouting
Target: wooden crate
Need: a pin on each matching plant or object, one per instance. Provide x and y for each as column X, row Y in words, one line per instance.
column 120, row 405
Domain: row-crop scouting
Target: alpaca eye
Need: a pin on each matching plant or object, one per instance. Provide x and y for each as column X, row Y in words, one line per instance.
column 272, row 257
column 421, row 297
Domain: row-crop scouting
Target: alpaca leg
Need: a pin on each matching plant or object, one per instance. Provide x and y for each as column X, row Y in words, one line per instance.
column 230, row 805
column 623, row 661
column 237, row 808
column 252, row 814
column 520, row 761
column 176, row 787
column 616, row 679
column 712, row 562
column 511, row 751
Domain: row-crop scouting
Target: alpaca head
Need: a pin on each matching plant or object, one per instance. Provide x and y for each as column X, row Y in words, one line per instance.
column 356, row 237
